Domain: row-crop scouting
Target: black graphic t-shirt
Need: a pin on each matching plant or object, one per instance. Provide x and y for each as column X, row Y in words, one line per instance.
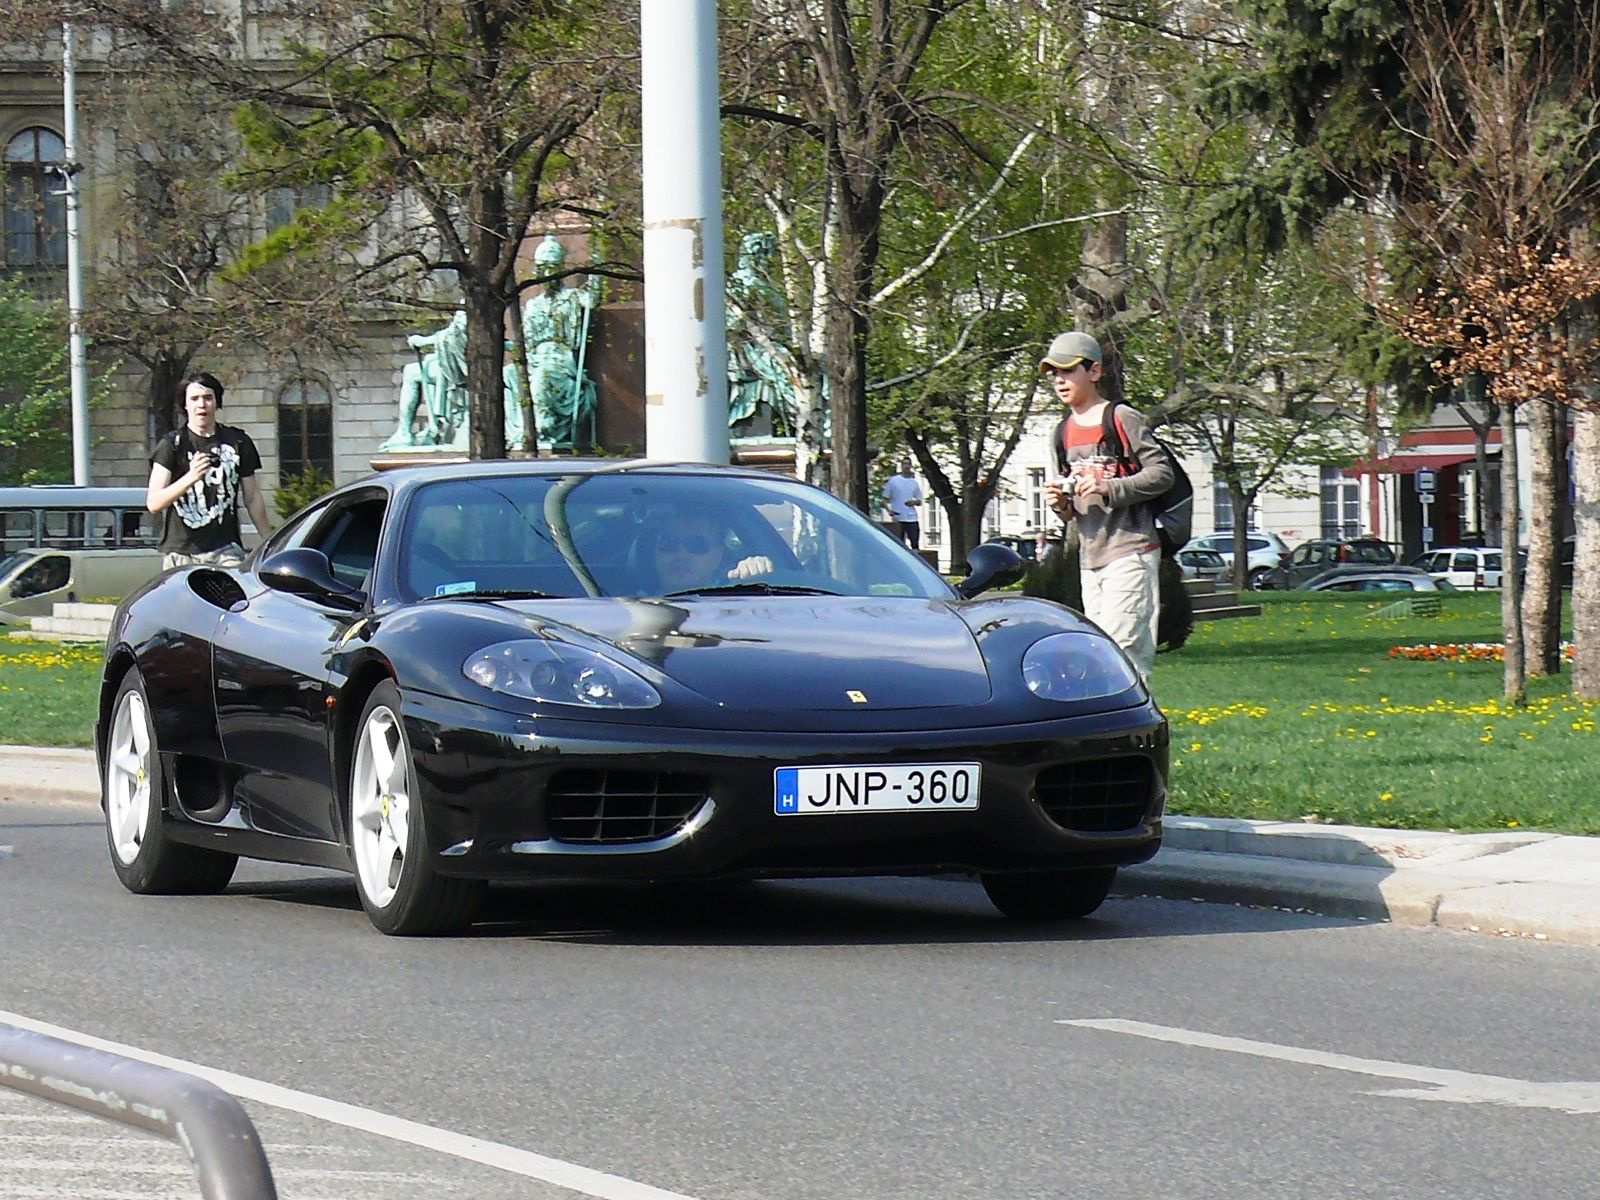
column 206, row 517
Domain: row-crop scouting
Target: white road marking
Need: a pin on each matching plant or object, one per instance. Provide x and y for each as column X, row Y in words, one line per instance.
column 1454, row 1087
column 583, row 1180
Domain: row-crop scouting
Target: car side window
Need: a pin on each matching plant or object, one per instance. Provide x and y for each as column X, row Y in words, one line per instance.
column 1465, row 562
column 351, row 541
column 46, row 575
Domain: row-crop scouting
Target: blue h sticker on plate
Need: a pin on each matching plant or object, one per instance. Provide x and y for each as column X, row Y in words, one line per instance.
column 788, row 790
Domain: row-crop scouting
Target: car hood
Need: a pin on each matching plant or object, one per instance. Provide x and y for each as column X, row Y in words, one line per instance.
column 793, row 652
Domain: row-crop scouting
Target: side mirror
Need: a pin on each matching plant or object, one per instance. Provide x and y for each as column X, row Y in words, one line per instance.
column 306, row 572
column 991, row 565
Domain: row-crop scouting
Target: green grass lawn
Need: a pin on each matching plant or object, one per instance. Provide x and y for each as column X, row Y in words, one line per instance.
column 1299, row 714
column 47, row 693
column 1302, row 714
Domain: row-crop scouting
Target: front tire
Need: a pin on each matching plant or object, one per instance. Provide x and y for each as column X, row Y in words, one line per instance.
column 401, row 892
column 1049, row 895
column 133, row 789
column 1257, row 580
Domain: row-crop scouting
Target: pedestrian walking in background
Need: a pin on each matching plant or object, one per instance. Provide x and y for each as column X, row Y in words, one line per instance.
column 198, row 474
column 1119, row 552
column 904, row 495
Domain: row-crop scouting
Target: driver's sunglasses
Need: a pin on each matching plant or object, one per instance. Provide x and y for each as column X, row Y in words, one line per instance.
column 691, row 543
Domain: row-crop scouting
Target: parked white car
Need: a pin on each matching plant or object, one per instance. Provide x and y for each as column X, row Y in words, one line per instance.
column 1267, row 551
column 1472, row 567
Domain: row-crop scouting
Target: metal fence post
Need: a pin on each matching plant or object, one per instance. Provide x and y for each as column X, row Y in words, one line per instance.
column 211, row 1126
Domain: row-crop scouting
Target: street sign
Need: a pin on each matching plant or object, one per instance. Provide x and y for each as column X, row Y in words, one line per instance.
column 1425, row 482
column 1427, row 535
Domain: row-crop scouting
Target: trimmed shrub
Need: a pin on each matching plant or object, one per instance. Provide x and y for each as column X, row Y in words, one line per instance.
column 297, row 491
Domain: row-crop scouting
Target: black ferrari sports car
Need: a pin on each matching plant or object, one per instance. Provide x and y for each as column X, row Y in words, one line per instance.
column 442, row 676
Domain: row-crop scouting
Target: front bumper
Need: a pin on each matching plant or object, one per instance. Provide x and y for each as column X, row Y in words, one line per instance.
column 485, row 776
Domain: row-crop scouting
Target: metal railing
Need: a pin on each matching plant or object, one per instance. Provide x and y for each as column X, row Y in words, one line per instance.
column 209, row 1124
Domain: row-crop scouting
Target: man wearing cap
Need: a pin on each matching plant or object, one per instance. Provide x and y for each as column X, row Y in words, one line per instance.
column 1119, row 554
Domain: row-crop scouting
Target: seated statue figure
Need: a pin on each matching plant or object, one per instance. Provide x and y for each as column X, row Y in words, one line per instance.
column 434, row 388
column 761, row 367
column 555, row 328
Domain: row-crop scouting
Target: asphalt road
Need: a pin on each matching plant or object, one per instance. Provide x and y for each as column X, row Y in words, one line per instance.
column 799, row 1041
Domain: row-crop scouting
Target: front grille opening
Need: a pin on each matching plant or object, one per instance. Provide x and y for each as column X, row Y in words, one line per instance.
column 1100, row 795
column 600, row 807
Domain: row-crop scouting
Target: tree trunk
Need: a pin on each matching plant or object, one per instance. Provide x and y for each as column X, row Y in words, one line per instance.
column 519, row 364
column 1102, row 293
column 810, row 464
column 1475, row 392
column 860, row 212
column 1516, row 677
column 1241, row 539
column 847, row 362
column 165, row 405
column 1541, row 587
column 486, row 357
column 1586, row 560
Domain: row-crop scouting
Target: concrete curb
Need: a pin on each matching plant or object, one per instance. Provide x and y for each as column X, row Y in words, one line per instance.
column 44, row 774
column 1516, row 884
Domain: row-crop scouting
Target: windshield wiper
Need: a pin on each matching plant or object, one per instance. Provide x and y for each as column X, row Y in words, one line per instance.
column 495, row 594
column 752, row 588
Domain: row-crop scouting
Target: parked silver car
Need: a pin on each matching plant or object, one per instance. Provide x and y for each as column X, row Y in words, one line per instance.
column 1375, row 579
column 1201, row 564
column 1267, row 552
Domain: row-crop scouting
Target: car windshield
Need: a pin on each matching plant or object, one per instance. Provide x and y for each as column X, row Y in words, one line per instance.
column 643, row 533
column 9, row 563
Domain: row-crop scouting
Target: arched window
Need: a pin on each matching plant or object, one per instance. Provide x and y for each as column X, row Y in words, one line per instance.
column 305, row 428
column 35, row 216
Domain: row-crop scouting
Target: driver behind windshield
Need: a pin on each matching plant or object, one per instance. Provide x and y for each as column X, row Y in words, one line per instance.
column 690, row 551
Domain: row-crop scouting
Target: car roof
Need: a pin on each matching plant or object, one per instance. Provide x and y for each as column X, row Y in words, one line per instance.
column 1328, row 578
column 1373, row 569
column 406, row 479
column 1366, row 571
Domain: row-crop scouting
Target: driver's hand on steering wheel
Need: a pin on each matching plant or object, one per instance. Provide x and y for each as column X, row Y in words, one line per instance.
column 749, row 568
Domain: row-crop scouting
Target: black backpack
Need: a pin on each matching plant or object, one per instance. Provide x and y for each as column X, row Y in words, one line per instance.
column 1173, row 509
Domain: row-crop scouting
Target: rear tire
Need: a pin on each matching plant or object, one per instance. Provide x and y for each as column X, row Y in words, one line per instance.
column 1049, row 895
column 401, row 892
column 133, row 792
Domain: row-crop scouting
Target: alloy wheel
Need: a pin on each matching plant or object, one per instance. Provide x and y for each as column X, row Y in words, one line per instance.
column 128, row 777
column 380, row 806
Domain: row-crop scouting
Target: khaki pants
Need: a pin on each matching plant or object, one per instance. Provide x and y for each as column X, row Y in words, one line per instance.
column 1123, row 598
column 230, row 555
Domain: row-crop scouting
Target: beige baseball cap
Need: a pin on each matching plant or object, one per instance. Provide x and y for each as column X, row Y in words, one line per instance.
column 1069, row 349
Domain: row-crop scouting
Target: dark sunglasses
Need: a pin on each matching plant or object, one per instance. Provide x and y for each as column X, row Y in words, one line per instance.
column 693, row 543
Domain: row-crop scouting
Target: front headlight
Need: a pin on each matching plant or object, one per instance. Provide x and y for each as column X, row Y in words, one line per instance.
column 556, row 673
column 1076, row 666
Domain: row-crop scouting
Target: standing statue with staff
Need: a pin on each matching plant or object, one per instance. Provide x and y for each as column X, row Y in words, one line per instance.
column 556, row 332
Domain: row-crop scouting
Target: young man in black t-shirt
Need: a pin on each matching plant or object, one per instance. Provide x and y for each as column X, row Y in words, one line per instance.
column 198, row 474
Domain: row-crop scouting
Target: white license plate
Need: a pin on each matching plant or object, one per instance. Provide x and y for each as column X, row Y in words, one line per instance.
column 915, row 787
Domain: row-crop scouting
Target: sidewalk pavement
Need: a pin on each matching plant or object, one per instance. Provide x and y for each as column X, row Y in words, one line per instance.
column 1515, row 884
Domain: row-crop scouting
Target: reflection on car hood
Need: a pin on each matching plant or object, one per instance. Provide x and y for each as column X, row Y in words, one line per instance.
column 800, row 652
